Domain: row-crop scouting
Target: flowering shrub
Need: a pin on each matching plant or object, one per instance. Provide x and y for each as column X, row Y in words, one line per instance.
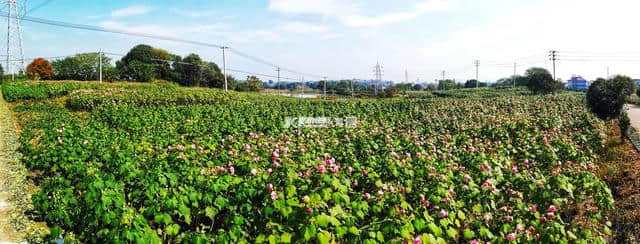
column 442, row 170
column 40, row 68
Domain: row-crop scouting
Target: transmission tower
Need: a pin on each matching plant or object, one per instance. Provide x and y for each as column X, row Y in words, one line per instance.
column 378, row 74
column 15, row 10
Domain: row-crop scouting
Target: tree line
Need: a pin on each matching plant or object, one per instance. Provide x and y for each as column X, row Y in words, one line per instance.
column 143, row 63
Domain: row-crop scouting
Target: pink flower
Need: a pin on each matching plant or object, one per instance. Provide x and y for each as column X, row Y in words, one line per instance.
column 270, row 187
column 350, row 169
column 335, row 169
column 402, row 212
column 365, row 172
column 180, row 148
column 474, row 241
column 552, row 208
column 322, row 169
column 509, row 218
column 309, row 210
column 551, row 215
column 514, row 169
column 426, row 203
column 275, row 154
column 519, row 228
column 232, row 170
column 452, row 192
column 534, row 208
column 511, row 237
column 276, row 164
column 467, row 177
column 422, row 197
column 367, row 196
column 170, row 148
column 274, row 195
column 433, row 149
column 417, row 240
column 269, row 170
column 202, row 172
column 391, row 189
column 380, row 193
column 254, row 171
column 443, row 213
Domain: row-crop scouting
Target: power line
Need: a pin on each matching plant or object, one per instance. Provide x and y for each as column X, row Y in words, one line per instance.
column 152, row 36
column 45, row 3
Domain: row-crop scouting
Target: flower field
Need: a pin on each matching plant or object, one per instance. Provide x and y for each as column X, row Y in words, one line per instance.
column 157, row 163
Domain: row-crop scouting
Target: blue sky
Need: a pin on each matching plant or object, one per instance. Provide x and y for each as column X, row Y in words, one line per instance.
column 345, row 38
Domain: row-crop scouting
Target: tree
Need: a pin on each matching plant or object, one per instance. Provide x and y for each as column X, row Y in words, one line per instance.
column 159, row 60
column 606, row 98
column 540, row 81
column 252, row 84
column 446, row 85
column 40, row 68
column 83, row 66
column 474, row 83
column 139, row 71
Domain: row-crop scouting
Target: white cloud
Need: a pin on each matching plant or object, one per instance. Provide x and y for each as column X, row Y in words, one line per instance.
column 350, row 13
column 325, row 7
column 302, row 27
column 192, row 13
column 330, row 36
column 145, row 28
column 130, row 11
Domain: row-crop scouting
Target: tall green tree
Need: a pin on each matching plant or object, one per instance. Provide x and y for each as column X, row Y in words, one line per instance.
column 540, row 81
column 84, row 67
column 446, row 84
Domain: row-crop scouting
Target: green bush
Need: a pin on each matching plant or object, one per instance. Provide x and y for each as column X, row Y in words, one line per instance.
column 540, row 81
column 624, row 122
column 606, row 98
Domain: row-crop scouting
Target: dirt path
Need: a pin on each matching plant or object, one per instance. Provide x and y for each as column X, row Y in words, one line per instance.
column 10, row 180
column 634, row 115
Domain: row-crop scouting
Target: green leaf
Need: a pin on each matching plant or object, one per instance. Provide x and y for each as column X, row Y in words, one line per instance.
column 172, row 230
column 285, row 238
column 354, row 230
column 452, row 233
column 468, row 234
column 211, row 212
column 433, row 228
column 309, row 232
column 419, row 224
column 323, row 220
column 324, row 237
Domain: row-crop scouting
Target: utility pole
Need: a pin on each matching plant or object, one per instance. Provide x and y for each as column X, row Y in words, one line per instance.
column 324, row 82
column 278, row 82
column 303, row 84
column 100, row 64
column 224, row 66
column 378, row 75
column 514, row 74
column 553, row 55
column 406, row 76
column 351, row 84
column 477, row 64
